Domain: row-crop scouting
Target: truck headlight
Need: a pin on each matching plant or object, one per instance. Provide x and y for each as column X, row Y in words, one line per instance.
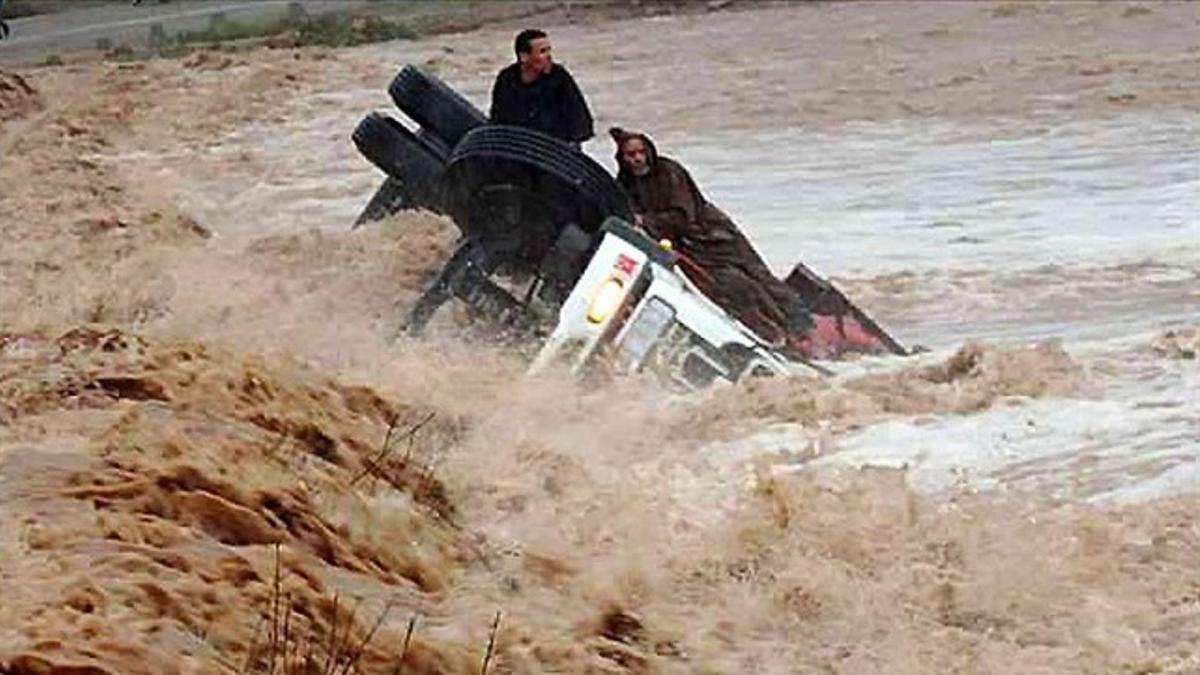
column 606, row 300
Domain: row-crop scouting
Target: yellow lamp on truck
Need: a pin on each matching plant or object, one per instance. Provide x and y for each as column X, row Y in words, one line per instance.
column 606, row 300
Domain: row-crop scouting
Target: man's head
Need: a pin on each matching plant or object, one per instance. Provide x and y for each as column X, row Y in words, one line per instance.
column 532, row 47
column 636, row 156
column 634, row 151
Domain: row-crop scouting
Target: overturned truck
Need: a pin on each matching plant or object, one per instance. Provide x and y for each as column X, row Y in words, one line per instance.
column 547, row 246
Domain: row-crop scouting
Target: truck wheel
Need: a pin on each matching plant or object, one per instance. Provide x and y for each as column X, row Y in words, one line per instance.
column 411, row 162
column 518, row 189
column 392, row 195
column 434, row 145
column 434, row 105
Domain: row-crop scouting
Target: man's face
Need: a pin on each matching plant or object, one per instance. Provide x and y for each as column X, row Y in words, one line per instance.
column 537, row 59
column 635, row 157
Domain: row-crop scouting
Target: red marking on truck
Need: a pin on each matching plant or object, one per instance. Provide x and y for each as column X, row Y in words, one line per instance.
column 625, row 264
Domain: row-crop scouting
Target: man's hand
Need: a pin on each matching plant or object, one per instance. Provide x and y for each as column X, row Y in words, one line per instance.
column 639, row 220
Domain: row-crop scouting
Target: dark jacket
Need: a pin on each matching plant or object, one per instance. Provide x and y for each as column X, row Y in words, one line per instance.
column 551, row 104
column 716, row 256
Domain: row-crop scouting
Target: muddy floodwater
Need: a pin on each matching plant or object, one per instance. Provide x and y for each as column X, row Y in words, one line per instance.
column 199, row 386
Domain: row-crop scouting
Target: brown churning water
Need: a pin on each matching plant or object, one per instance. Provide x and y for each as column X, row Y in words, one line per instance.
column 213, row 459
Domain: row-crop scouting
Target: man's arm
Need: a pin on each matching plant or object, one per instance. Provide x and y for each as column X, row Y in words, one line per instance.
column 577, row 118
column 669, row 223
column 499, row 113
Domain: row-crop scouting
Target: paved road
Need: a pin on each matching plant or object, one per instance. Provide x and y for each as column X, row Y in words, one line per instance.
column 34, row 38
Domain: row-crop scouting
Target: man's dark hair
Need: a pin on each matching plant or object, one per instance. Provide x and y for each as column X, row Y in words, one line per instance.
column 521, row 44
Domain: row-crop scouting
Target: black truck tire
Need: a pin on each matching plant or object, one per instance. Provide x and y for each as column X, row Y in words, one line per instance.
column 392, row 195
column 433, row 105
column 500, row 152
column 434, row 145
column 410, row 162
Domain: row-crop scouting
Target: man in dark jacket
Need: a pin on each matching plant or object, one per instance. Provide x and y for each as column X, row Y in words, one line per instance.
column 536, row 93
column 713, row 253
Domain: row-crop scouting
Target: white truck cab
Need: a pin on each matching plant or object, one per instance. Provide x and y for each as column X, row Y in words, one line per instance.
column 634, row 307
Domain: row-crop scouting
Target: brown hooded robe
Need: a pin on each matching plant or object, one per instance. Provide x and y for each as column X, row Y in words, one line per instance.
column 714, row 254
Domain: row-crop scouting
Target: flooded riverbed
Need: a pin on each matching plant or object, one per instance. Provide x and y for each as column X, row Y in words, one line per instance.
column 990, row 181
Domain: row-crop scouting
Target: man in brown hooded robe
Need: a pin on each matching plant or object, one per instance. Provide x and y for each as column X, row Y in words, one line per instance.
column 714, row 254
